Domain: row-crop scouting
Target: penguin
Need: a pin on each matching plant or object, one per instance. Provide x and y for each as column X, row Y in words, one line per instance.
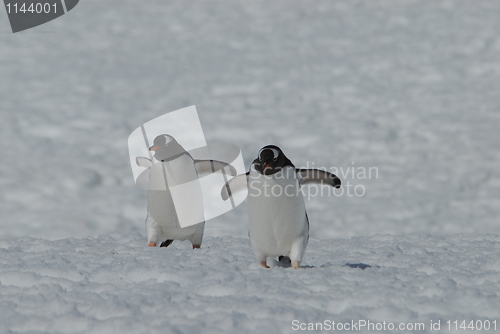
column 279, row 226
column 168, row 205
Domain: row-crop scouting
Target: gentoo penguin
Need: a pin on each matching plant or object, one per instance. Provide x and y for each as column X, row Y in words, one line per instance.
column 279, row 226
column 174, row 193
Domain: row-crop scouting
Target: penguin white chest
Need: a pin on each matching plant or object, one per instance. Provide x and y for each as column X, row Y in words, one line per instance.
column 174, row 194
column 276, row 212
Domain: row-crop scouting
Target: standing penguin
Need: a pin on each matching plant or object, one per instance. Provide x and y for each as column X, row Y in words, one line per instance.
column 175, row 196
column 279, row 226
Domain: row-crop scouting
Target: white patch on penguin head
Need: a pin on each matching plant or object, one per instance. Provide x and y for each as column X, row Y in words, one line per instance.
column 276, row 153
column 168, row 139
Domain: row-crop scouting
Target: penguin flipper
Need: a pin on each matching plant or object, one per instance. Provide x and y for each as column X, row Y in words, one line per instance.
column 143, row 162
column 236, row 184
column 307, row 176
column 212, row 166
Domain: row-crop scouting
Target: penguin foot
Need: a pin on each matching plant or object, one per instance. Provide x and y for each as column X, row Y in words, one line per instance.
column 264, row 264
column 285, row 260
column 166, row 243
column 196, row 246
column 152, row 244
column 296, row 264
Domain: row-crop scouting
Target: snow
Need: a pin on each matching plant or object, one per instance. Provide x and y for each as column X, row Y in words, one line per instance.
column 410, row 88
column 114, row 283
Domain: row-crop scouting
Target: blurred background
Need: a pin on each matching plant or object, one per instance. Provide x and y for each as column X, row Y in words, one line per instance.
column 411, row 88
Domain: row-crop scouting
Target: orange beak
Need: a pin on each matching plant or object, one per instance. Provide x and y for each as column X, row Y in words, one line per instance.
column 154, row 148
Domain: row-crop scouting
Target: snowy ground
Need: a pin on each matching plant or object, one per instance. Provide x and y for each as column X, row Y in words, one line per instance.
column 410, row 88
column 114, row 284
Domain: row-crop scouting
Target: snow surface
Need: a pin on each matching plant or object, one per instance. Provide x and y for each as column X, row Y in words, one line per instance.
column 409, row 87
column 114, row 284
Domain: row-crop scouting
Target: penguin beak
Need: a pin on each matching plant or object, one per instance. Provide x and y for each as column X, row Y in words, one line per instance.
column 266, row 166
column 154, row 148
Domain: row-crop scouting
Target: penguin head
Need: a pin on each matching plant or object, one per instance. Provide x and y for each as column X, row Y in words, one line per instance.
column 271, row 160
column 166, row 148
